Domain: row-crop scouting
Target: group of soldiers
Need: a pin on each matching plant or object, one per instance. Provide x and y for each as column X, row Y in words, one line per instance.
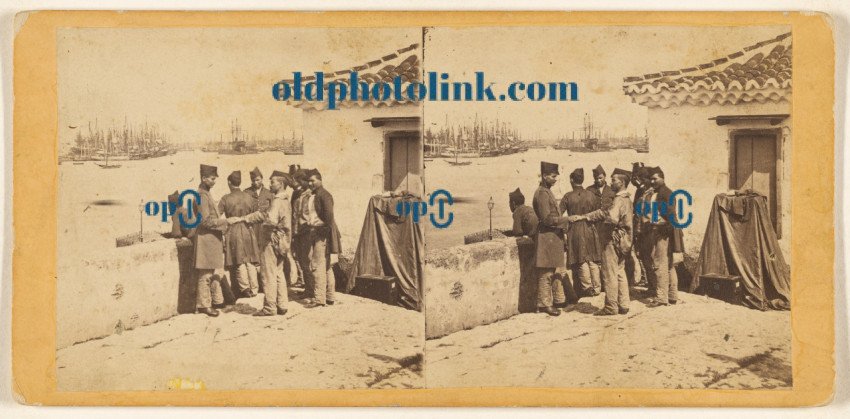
column 585, row 241
column 266, row 238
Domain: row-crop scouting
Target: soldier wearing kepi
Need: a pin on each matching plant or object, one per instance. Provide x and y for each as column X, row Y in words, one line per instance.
column 617, row 245
column 323, row 238
column 604, row 194
column 549, row 241
column 208, row 244
column 241, row 253
column 525, row 220
column 583, row 254
column 274, row 243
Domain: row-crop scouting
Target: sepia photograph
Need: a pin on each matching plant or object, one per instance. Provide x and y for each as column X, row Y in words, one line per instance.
column 424, row 207
column 633, row 232
column 212, row 236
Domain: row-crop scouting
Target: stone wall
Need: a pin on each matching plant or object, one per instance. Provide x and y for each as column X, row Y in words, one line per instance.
column 477, row 284
column 122, row 289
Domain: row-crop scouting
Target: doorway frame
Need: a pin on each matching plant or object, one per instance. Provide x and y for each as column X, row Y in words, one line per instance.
column 388, row 134
column 776, row 133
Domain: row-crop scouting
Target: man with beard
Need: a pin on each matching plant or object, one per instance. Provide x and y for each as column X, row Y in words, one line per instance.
column 549, row 241
column 583, row 255
column 241, row 254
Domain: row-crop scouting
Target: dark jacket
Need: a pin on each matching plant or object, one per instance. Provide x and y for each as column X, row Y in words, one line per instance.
column 263, row 197
column 209, row 247
column 240, row 244
column 324, row 203
column 604, row 196
column 549, row 251
column 525, row 222
column 581, row 238
column 664, row 226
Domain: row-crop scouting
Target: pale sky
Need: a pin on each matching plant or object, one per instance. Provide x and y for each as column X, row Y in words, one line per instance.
column 596, row 58
column 193, row 82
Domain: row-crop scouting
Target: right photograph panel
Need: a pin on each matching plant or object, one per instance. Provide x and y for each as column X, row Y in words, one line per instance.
column 609, row 207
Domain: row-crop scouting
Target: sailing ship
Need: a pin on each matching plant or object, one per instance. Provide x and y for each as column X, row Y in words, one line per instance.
column 116, row 144
column 239, row 143
column 591, row 139
column 481, row 139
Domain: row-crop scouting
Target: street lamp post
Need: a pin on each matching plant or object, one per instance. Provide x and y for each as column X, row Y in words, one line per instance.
column 490, row 206
column 141, row 224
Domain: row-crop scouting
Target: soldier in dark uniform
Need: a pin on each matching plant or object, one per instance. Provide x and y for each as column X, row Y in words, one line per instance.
column 603, row 192
column 209, row 254
column 665, row 240
column 241, row 252
column 549, row 241
column 583, row 253
column 525, row 220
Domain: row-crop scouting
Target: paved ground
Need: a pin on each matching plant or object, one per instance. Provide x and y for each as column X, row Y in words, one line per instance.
column 357, row 343
column 702, row 343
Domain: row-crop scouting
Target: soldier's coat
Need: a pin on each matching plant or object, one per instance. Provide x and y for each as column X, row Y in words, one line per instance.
column 549, row 252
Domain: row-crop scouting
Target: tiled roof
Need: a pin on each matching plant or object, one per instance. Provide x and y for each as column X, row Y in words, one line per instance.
column 403, row 63
column 760, row 73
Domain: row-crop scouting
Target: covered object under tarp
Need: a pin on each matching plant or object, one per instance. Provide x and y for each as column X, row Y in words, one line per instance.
column 740, row 241
column 391, row 246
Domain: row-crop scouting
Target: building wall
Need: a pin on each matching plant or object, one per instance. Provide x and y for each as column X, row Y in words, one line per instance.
column 694, row 153
column 350, row 155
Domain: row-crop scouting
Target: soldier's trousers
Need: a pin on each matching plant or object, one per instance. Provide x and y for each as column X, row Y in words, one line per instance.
column 275, row 291
column 554, row 287
column 633, row 268
column 614, row 277
column 667, row 288
column 246, row 277
column 209, row 290
column 644, row 246
column 303, row 256
column 324, row 283
column 588, row 276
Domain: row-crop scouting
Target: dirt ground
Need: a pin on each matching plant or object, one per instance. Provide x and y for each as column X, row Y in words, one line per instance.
column 698, row 343
column 356, row 343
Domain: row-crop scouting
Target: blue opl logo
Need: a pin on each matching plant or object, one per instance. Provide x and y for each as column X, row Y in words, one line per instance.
column 416, row 210
column 663, row 209
column 167, row 209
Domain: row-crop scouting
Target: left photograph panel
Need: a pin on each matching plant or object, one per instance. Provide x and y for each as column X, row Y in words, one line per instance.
column 222, row 226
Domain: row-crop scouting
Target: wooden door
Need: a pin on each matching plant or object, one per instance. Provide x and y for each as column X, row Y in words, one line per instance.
column 755, row 167
column 404, row 163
